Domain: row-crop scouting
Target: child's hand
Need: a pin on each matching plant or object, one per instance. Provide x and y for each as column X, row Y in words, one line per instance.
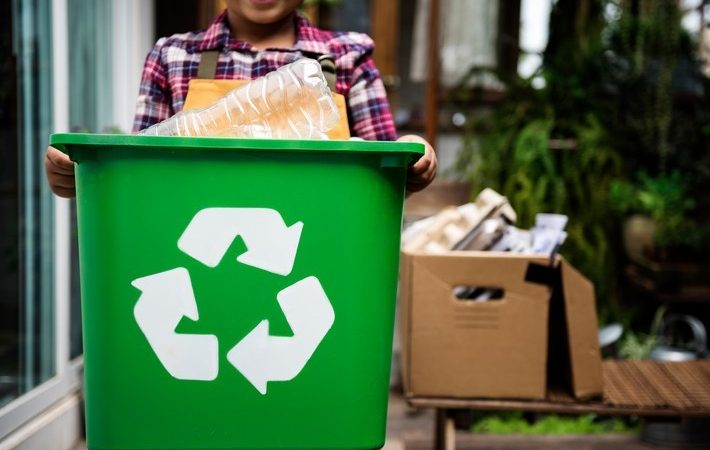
column 423, row 172
column 60, row 173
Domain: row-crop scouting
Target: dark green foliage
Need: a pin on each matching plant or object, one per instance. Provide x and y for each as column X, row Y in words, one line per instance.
column 657, row 102
column 618, row 98
column 667, row 201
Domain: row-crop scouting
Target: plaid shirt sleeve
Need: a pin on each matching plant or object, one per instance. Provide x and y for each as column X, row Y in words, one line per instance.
column 368, row 105
column 153, row 104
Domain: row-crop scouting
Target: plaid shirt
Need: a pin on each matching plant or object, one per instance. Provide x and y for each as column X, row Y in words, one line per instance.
column 173, row 63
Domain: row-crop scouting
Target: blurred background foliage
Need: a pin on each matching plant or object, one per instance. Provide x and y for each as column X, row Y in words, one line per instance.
column 615, row 122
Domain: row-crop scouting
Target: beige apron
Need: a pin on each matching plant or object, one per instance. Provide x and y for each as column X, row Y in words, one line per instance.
column 205, row 90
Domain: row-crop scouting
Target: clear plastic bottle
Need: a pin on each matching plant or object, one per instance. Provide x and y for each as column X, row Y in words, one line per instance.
column 293, row 102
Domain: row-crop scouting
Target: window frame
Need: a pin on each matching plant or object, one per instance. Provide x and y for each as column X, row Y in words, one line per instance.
column 68, row 374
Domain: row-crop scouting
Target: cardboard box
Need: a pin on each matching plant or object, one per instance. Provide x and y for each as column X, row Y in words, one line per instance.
column 541, row 333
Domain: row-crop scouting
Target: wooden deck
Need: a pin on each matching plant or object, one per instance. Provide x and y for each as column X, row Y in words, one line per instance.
column 640, row 388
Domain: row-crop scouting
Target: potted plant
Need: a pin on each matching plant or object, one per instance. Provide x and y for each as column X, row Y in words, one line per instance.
column 665, row 245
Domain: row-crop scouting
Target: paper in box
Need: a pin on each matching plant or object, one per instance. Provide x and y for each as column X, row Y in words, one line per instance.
column 540, row 334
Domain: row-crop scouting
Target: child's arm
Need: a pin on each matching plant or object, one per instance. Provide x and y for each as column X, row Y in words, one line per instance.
column 423, row 172
column 368, row 105
column 153, row 104
column 152, row 107
column 371, row 118
column 60, row 173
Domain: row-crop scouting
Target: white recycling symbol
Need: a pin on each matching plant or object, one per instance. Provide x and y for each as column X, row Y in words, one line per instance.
column 272, row 246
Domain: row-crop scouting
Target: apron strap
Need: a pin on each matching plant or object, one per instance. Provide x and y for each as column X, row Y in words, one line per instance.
column 207, row 69
column 208, row 65
column 327, row 65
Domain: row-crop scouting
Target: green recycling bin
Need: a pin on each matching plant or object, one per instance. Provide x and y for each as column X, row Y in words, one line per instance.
column 237, row 293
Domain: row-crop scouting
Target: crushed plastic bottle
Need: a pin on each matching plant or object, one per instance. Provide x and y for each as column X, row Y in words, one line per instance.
column 293, row 102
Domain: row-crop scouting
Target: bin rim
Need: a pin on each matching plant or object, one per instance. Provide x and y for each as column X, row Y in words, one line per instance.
column 63, row 142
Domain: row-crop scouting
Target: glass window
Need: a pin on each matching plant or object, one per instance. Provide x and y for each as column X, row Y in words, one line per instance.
column 90, row 69
column 26, row 214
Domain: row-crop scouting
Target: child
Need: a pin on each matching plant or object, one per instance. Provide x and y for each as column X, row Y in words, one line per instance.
column 254, row 37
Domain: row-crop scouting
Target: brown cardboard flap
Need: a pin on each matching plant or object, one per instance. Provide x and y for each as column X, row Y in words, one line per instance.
column 485, row 269
column 581, row 318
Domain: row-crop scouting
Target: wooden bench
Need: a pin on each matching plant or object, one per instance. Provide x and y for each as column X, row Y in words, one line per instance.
column 639, row 388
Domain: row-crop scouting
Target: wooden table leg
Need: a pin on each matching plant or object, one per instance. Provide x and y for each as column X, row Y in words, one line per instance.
column 445, row 432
